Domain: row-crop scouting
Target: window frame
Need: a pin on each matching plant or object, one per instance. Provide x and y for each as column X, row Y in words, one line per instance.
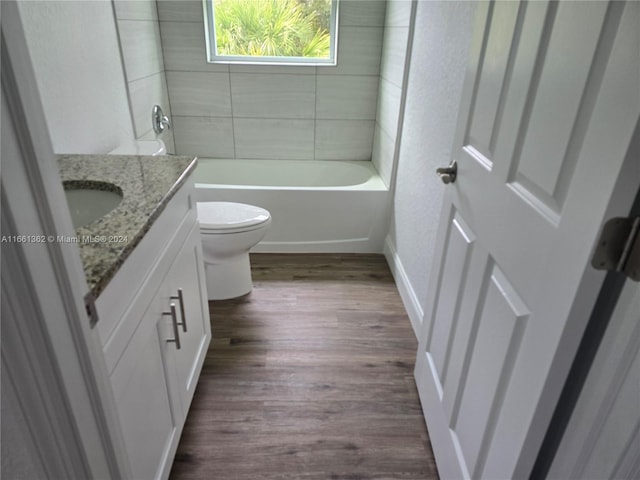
column 213, row 57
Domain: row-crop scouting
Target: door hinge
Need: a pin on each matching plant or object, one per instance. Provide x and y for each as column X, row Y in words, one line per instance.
column 619, row 247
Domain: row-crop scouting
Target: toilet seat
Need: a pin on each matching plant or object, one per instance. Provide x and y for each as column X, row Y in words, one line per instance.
column 230, row 217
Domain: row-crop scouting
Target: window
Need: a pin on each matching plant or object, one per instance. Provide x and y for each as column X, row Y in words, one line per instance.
column 271, row 31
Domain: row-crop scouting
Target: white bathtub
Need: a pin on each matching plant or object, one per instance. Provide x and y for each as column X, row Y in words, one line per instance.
column 316, row 206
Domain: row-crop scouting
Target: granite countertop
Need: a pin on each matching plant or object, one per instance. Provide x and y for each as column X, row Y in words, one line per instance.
column 147, row 184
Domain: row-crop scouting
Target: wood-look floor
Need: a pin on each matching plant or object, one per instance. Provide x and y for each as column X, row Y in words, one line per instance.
column 309, row 377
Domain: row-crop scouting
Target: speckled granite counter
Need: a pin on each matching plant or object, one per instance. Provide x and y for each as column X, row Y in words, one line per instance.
column 147, row 183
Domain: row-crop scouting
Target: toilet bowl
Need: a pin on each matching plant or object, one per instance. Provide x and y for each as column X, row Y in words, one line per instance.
column 228, row 231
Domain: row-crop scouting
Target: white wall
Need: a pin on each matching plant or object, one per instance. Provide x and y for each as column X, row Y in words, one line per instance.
column 76, row 58
column 441, row 42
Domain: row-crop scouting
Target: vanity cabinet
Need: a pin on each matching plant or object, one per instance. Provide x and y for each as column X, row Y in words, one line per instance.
column 155, row 341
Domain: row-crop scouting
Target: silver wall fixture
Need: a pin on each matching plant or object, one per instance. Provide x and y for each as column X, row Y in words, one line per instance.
column 159, row 120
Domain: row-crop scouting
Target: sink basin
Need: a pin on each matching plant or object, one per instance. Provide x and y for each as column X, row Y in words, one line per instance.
column 89, row 200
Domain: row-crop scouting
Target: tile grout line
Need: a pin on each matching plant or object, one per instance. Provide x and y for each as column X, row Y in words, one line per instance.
column 233, row 123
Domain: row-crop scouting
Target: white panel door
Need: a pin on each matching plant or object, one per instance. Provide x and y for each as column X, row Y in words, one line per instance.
column 551, row 99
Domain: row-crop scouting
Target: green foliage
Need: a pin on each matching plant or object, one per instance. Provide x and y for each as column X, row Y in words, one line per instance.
column 320, row 10
column 281, row 28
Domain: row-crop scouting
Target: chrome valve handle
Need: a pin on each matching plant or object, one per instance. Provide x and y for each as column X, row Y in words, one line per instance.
column 159, row 120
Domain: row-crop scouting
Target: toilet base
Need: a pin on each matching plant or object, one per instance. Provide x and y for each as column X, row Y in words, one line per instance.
column 230, row 278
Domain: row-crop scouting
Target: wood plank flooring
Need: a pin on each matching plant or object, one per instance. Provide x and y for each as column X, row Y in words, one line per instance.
column 309, row 377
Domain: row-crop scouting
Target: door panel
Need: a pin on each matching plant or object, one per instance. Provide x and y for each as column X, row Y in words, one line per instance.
column 500, row 327
column 550, row 87
column 559, row 83
column 469, row 322
column 490, row 92
column 456, row 265
column 533, row 29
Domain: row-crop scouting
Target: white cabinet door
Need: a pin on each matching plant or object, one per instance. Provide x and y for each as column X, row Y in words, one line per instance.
column 149, row 428
column 548, row 111
column 194, row 330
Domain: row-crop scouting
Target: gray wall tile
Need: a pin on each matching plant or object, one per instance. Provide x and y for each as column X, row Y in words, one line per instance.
column 203, row 94
column 274, row 69
column 204, row 136
column 369, row 13
column 184, row 48
column 344, row 139
column 346, row 97
column 359, row 50
column 278, row 111
column 180, row 10
column 389, row 107
column 141, row 48
column 382, row 154
column 267, row 138
column 138, row 10
column 394, row 54
column 143, row 95
column 273, row 96
column 398, row 13
column 139, row 35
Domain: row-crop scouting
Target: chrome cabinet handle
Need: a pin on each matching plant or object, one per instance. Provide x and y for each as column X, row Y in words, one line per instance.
column 174, row 321
column 448, row 174
column 180, row 298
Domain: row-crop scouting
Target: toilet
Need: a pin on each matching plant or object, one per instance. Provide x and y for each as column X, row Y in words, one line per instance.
column 228, row 231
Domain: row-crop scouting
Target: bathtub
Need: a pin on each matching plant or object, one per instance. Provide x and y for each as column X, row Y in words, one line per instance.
column 315, row 205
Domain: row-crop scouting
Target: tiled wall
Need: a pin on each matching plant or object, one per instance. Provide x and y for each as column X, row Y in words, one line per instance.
column 292, row 112
column 392, row 77
column 139, row 33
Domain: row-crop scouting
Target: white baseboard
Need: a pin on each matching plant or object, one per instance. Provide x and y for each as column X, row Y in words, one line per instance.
column 407, row 293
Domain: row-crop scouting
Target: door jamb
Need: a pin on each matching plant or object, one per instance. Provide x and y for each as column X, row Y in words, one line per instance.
column 44, row 284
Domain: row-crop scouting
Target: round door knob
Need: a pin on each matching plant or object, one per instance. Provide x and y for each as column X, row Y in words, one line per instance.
column 448, row 174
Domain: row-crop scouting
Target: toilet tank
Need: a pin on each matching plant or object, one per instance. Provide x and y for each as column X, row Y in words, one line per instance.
column 141, row 147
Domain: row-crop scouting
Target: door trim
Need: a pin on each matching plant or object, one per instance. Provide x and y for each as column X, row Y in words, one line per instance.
column 594, row 333
column 61, row 361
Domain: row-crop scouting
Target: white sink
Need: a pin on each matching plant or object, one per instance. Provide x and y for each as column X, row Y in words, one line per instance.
column 89, row 201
